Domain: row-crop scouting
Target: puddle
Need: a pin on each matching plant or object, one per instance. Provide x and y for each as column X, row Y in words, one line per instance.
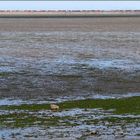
column 119, row 64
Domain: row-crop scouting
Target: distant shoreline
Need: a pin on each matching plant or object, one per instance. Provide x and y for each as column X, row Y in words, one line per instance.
column 91, row 24
column 67, row 14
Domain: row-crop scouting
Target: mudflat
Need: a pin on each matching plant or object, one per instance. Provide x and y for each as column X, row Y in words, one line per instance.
column 107, row 24
column 90, row 67
column 78, row 56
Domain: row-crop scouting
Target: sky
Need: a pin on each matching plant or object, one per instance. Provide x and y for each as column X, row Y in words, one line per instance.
column 69, row 5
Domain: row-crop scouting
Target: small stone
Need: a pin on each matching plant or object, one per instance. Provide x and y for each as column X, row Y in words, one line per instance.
column 118, row 129
column 93, row 132
column 54, row 107
column 106, row 123
column 121, row 133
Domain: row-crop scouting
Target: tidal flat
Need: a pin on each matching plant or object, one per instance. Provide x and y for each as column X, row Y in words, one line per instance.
column 89, row 67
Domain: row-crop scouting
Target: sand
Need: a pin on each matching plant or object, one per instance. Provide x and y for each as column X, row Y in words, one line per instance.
column 127, row 24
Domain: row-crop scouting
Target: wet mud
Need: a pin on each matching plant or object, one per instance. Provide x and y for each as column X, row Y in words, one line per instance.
column 73, row 63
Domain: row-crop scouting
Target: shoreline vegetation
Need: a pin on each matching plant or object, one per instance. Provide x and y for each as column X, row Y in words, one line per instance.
column 67, row 13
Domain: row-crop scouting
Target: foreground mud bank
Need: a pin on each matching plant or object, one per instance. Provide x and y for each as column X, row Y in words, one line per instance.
column 81, row 119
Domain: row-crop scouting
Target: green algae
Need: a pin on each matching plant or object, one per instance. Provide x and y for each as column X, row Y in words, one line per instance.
column 26, row 115
column 20, row 120
column 129, row 105
column 4, row 74
column 121, row 106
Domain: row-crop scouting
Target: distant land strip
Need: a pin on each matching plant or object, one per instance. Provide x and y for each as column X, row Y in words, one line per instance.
column 67, row 13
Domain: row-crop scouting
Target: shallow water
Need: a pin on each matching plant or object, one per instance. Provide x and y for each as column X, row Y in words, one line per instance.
column 55, row 67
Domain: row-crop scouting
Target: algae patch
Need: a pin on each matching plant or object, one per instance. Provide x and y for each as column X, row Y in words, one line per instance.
column 4, row 74
column 129, row 105
column 91, row 112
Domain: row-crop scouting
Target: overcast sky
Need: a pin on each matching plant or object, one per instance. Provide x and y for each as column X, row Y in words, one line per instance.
column 69, row 5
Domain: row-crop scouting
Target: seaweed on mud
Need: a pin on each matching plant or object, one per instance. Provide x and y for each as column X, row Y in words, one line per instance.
column 129, row 105
column 111, row 120
column 19, row 120
column 104, row 112
column 121, row 106
column 4, row 74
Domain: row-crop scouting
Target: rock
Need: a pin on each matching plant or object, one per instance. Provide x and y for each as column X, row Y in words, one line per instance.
column 106, row 123
column 119, row 131
column 94, row 132
column 54, row 107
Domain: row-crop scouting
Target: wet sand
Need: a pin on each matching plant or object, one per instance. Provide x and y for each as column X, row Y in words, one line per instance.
column 118, row 24
column 56, row 60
